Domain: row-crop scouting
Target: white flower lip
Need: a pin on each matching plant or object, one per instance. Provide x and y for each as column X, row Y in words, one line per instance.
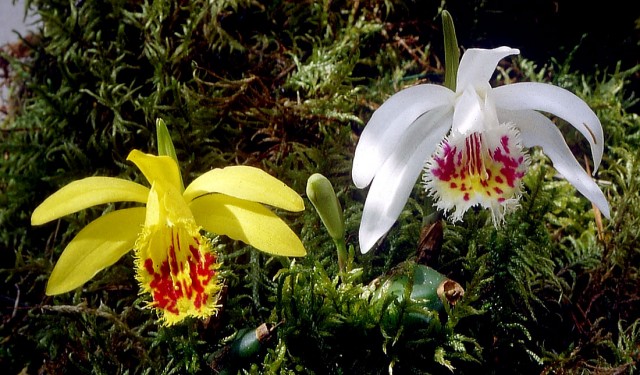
column 404, row 132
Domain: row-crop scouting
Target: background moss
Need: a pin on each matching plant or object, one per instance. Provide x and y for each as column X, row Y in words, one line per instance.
column 288, row 86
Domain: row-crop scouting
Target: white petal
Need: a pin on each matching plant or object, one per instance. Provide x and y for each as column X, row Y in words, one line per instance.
column 477, row 65
column 468, row 116
column 537, row 130
column 397, row 176
column 559, row 102
column 388, row 124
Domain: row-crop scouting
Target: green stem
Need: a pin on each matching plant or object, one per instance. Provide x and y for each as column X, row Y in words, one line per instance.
column 341, row 247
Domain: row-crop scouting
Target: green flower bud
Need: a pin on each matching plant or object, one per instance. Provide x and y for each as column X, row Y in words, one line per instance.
column 323, row 197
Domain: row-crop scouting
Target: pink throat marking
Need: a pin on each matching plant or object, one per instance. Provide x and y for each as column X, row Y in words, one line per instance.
column 489, row 174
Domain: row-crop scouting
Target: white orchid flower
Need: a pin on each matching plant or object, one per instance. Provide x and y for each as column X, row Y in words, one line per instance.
column 469, row 143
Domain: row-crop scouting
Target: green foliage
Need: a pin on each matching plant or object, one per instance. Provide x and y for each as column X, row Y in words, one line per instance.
column 596, row 261
column 288, row 86
column 355, row 327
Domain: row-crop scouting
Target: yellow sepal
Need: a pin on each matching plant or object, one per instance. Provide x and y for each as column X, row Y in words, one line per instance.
column 157, row 169
column 248, row 183
column 85, row 193
column 246, row 221
column 97, row 246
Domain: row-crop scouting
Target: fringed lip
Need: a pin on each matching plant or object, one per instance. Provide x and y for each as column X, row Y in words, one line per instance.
column 175, row 264
column 178, row 268
column 482, row 168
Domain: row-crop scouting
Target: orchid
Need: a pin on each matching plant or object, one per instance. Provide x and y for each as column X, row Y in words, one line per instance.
column 470, row 142
column 174, row 262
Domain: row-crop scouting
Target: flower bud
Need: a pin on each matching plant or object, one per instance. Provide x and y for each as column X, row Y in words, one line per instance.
column 321, row 194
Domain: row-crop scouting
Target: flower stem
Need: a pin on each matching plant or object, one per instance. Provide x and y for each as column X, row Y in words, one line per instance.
column 341, row 247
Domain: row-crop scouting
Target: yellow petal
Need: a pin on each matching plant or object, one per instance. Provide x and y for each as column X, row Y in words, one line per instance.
column 99, row 245
column 165, row 203
column 247, row 183
column 85, row 193
column 157, row 169
column 248, row 222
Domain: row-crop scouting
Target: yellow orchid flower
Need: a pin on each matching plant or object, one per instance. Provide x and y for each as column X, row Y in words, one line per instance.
column 175, row 264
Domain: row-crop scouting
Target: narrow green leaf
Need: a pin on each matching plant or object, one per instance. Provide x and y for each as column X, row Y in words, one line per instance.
column 165, row 145
column 451, row 51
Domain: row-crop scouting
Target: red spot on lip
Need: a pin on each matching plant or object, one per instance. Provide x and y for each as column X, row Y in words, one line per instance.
column 504, row 142
column 173, row 260
column 169, row 284
column 148, row 265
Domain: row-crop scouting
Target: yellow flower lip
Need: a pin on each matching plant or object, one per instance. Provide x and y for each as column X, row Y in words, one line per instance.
column 186, row 282
column 175, row 263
